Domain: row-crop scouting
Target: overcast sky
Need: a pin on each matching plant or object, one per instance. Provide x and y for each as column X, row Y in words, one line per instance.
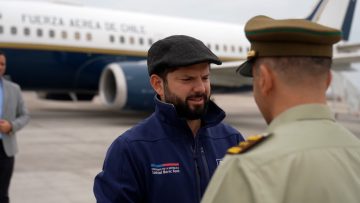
column 233, row 11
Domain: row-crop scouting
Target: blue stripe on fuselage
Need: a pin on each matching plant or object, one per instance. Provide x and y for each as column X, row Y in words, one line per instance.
column 57, row 70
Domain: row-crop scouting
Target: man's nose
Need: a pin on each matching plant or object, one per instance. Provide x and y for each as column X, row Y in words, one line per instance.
column 199, row 85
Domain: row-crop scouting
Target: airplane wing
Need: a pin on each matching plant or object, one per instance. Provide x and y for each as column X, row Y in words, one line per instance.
column 225, row 75
column 345, row 54
column 346, row 58
column 348, row 47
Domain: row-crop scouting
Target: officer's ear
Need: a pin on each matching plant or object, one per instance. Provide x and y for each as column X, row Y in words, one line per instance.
column 157, row 84
column 328, row 79
column 266, row 78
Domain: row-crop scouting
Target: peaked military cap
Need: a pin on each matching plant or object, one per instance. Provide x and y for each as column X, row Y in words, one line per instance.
column 288, row 37
column 178, row 51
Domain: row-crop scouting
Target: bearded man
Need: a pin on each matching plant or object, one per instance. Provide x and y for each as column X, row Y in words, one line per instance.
column 170, row 156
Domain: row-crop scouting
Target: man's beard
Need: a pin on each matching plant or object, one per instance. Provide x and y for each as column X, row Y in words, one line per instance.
column 183, row 108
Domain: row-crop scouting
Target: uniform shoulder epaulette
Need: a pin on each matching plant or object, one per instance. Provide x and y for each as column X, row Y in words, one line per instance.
column 249, row 143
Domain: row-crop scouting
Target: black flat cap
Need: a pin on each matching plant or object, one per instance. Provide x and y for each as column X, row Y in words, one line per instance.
column 178, row 51
column 288, row 37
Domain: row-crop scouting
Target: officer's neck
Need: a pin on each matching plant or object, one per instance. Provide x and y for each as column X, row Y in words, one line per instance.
column 301, row 97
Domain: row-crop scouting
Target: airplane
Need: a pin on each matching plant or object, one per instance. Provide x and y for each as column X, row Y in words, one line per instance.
column 70, row 52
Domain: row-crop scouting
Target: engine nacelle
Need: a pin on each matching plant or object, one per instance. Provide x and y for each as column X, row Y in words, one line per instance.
column 126, row 85
column 65, row 96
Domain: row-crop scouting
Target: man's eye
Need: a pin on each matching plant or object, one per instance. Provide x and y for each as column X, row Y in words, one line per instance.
column 186, row 79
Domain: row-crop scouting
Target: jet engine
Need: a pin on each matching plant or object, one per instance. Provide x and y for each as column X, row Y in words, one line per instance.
column 126, row 85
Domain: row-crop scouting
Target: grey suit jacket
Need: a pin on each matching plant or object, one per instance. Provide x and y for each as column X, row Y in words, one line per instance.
column 14, row 111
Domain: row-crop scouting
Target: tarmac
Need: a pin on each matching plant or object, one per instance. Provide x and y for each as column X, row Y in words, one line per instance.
column 64, row 145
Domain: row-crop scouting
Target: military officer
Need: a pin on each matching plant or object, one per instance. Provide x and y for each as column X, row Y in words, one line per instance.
column 305, row 155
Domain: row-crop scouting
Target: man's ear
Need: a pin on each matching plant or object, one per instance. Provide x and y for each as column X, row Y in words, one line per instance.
column 157, row 84
column 266, row 79
column 328, row 79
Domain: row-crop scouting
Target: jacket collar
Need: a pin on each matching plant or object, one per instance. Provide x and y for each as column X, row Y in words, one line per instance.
column 302, row 112
column 167, row 113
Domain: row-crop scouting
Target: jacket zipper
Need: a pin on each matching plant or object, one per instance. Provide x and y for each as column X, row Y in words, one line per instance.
column 206, row 168
column 197, row 170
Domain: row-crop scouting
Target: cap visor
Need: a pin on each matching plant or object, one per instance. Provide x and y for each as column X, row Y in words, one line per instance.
column 245, row 69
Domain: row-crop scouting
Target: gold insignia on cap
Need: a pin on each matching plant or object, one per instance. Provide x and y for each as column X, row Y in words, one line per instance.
column 251, row 54
column 249, row 143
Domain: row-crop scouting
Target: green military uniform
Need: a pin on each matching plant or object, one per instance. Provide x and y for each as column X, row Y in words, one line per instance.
column 305, row 156
column 308, row 158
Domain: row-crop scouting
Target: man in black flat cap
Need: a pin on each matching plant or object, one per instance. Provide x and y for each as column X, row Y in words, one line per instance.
column 304, row 156
column 170, row 156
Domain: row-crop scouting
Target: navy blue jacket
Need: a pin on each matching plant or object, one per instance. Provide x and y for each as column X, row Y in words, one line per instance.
column 160, row 161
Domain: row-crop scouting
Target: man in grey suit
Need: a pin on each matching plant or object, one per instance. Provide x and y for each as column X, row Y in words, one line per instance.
column 13, row 116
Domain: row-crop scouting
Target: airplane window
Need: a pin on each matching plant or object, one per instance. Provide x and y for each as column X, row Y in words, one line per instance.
column 150, row 41
column 141, row 41
column 225, row 48
column 26, row 31
column 39, row 32
column 77, row 35
column 64, row 34
column 13, row 30
column 1, row 29
column 111, row 38
column 216, row 47
column 51, row 33
column 240, row 49
column 132, row 40
column 122, row 39
column 88, row 36
column 232, row 48
column 247, row 49
column 208, row 45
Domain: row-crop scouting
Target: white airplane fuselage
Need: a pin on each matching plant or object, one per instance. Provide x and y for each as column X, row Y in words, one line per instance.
column 64, row 48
